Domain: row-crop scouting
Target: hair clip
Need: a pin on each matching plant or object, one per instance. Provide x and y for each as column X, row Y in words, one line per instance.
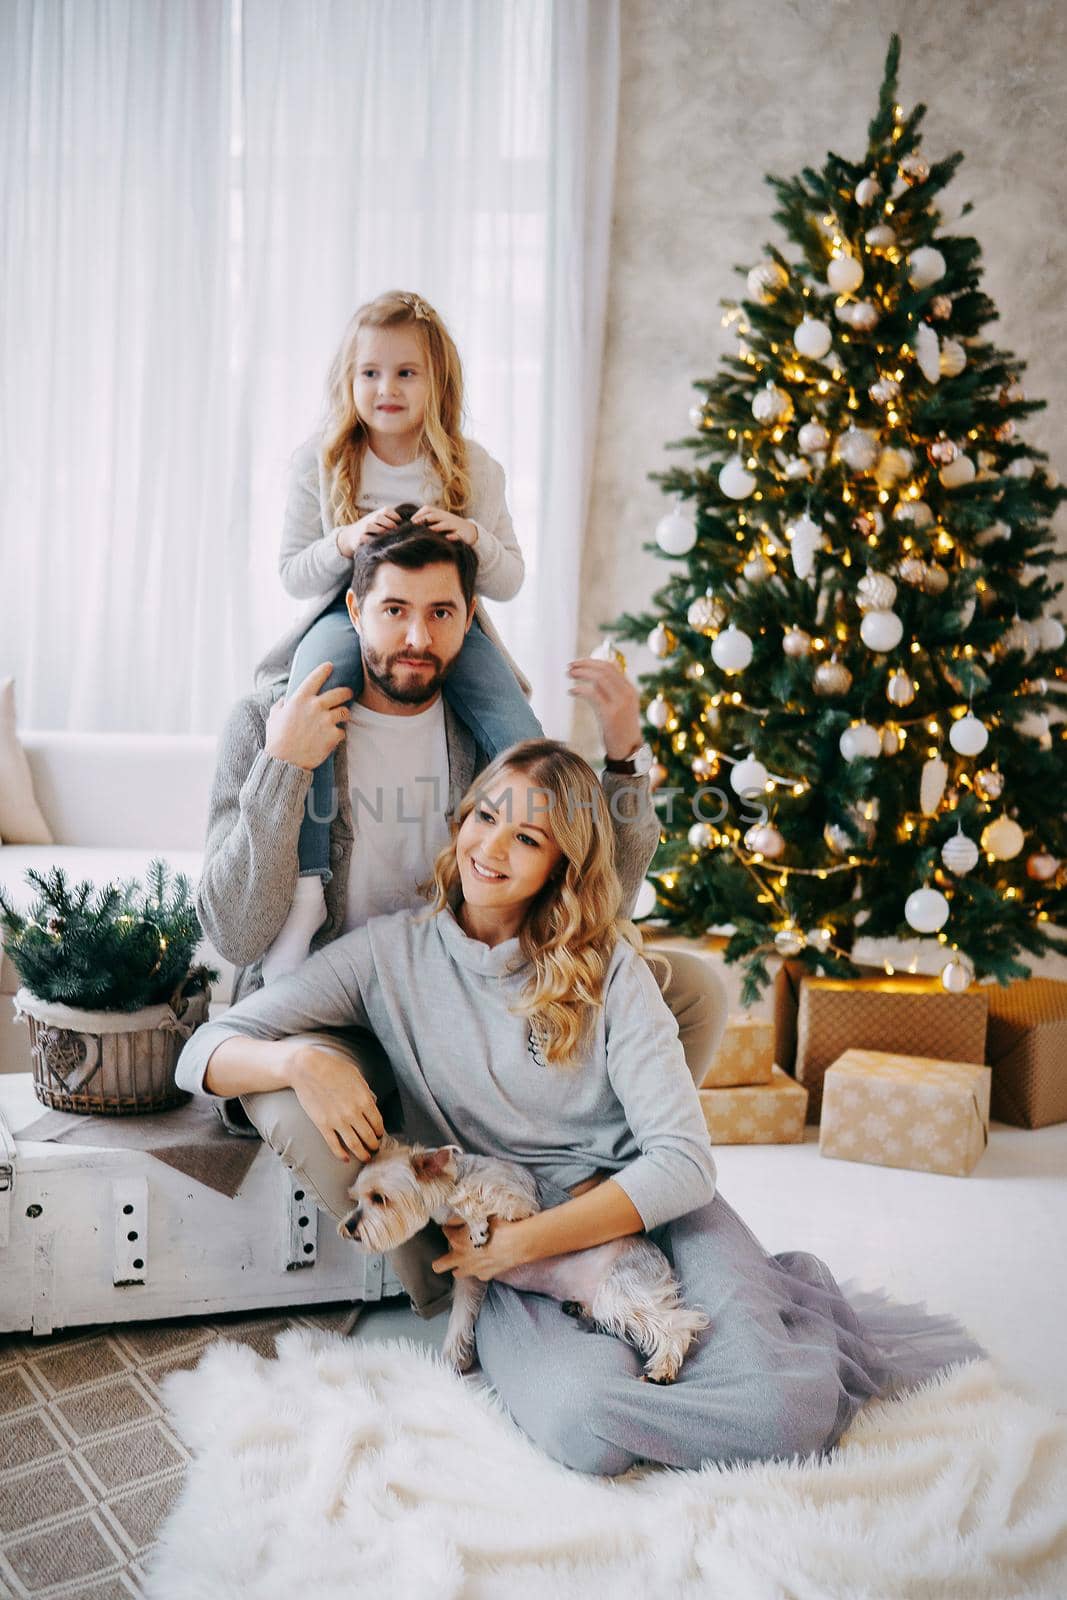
column 419, row 307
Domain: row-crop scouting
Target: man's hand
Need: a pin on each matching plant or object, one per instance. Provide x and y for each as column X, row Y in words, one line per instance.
column 308, row 726
column 453, row 527
column 465, row 1260
column 614, row 700
column 336, row 1097
column 372, row 526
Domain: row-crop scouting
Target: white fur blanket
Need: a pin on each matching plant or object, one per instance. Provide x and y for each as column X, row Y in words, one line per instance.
column 347, row 1469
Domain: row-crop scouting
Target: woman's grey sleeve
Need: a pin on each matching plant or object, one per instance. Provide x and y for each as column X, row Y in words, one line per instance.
column 675, row 1171
column 323, row 993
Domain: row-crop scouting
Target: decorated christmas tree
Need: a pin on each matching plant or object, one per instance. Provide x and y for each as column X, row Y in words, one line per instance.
column 856, row 721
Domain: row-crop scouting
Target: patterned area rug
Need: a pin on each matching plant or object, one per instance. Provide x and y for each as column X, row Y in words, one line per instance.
column 89, row 1465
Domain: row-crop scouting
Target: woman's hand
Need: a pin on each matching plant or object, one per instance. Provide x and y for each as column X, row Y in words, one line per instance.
column 372, row 526
column 453, row 527
column 337, row 1098
column 503, row 1251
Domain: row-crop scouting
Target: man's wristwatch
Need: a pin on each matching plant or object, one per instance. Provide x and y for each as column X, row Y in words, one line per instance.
column 635, row 765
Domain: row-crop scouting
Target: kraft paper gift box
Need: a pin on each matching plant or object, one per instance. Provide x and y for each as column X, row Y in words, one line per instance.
column 1027, row 1050
column 757, row 1113
column 905, row 1111
column 907, row 1014
column 746, row 1054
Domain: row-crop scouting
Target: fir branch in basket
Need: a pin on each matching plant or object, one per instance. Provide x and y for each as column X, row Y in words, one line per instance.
column 117, row 948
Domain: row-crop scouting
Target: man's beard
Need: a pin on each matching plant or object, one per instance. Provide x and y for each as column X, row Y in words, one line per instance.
column 381, row 670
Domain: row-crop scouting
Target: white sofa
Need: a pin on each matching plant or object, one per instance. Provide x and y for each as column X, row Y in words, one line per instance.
column 112, row 802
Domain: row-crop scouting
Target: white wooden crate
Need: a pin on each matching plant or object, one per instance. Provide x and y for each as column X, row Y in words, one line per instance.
column 90, row 1235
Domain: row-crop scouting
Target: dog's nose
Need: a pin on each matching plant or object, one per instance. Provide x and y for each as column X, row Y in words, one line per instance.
column 351, row 1224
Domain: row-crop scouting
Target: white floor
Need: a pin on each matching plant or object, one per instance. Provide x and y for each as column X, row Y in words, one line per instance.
column 991, row 1248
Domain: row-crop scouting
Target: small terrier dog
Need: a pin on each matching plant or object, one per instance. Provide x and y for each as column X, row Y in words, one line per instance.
column 625, row 1287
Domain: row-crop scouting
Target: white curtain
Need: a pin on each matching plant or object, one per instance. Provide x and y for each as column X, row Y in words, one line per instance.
column 195, row 196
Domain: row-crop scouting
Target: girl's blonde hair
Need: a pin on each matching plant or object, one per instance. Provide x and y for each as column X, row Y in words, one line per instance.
column 573, row 925
column 344, row 437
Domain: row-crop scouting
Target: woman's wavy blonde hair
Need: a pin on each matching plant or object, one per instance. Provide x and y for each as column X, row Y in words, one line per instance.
column 573, row 925
column 344, row 437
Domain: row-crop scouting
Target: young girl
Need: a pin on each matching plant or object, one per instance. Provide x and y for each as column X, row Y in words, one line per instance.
column 391, row 435
column 520, row 1021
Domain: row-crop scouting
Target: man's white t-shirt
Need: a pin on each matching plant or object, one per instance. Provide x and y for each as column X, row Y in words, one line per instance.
column 398, row 782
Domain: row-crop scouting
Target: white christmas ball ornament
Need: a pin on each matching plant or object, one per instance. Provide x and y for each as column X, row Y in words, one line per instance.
column 813, row 438
column 701, row 836
column 857, row 448
column 867, row 191
column 861, row 742
column 706, row 612
column 917, row 512
column 876, row 591
column 926, row 910
column 661, row 641
column 659, row 712
column 735, row 481
column 881, row 630
column 925, row 267
column 968, row 736
column 956, row 473
column 645, row 903
column 1050, row 632
column 952, row 359
column 928, row 353
column 1003, row 839
column 748, row 776
column 757, row 569
column 959, row 854
column 772, row 404
column 881, row 236
column 697, row 416
column 805, row 541
column 732, row 650
column 676, row 533
column 765, row 840
column 812, row 338
column 957, row 974
column 844, row 274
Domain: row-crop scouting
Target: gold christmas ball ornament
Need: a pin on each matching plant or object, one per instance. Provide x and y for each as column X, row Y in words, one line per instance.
column 1004, row 432
column 764, row 839
column 1041, row 866
column 832, row 677
column 989, row 784
column 1011, row 393
column 953, row 358
column 893, row 465
column 706, row 613
column 661, row 641
column 757, row 569
column 659, row 712
column 836, row 839
column 900, row 688
column 704, row 766
column 912, row 570
column 875, row 591
column 789, row 941
column 1003, row 838
column 884, row 391
column 772, row 404
column 941, row 307
column 942, row 451
column 890, row 741
column 957, row 974
column 935, row 579
column 796, row 643
column 913, row 170
column 864, row 524
column 765, row 280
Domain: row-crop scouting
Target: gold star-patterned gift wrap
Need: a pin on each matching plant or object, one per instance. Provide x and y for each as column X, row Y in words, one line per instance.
column 757, row 1113
column 905, row 1111
column 746, row 1054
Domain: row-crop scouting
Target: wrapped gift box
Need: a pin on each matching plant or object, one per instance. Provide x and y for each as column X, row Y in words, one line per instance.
column 746, row 1054
column 908, row 1014
column 757, row 1113
column 905, row 1111
column 1027, row 1050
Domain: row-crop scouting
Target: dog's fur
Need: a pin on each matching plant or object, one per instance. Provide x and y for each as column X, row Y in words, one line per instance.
column 625, row 1288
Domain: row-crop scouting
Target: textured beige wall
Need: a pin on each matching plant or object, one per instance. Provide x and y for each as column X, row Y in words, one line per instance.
column 716, row 93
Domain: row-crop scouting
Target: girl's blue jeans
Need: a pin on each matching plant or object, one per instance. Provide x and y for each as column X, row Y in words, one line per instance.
column 481, row 689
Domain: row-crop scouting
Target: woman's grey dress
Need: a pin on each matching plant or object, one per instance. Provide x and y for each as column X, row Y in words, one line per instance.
column 787, row 1359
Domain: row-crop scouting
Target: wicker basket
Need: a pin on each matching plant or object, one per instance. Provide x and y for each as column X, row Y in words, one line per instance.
column 109, row 1063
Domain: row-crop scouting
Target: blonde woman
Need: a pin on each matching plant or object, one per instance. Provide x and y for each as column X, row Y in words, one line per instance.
column 521, row 1020
column 391, row 447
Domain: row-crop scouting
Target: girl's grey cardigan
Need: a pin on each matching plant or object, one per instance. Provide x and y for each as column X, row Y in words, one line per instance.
column 470, row 1071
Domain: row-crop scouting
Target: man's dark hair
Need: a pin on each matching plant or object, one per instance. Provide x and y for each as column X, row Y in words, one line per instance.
column 412, row 545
